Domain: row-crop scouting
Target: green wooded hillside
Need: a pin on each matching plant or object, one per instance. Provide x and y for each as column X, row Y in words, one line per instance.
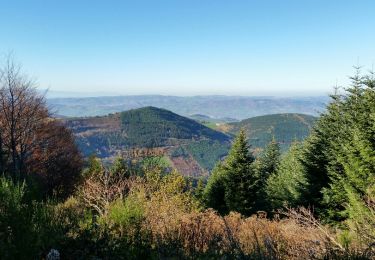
column 188, row 144
column 153, row 127
column 286, row 128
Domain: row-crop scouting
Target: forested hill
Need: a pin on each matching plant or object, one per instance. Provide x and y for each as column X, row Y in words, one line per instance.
column 285, row 128
column 183, row 143
column 153, row 127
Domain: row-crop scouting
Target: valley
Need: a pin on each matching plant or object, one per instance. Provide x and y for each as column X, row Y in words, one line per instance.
column 215, row 107
column 192, row 147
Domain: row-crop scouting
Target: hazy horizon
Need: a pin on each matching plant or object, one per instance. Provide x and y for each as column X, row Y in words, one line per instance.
column 187, row 48
column 50, row 94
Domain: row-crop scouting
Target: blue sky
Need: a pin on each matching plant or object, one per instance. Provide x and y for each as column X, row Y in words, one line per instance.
column 189, row 47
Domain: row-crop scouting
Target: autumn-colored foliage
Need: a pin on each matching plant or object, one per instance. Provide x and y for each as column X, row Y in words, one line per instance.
column 157, row 216
column 33, row 146
column 55, row 160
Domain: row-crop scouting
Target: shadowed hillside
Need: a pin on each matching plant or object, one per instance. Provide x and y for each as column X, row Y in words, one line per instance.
column 152, row 127
column 186, row 144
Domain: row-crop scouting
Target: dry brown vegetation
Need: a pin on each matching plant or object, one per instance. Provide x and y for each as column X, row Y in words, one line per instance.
column 32, row 144
column 159, row 211
column 206, row 233
column 188, row 166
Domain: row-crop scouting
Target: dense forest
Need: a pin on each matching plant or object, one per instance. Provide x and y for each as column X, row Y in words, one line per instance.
column 184, row 141
column 193, row 147
column 316, row 201
column 285, row 128
column 154, row 127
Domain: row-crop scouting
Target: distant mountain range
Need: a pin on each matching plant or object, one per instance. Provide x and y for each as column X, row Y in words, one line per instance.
column 215, row 107
column 185, row 144
column 207, row 119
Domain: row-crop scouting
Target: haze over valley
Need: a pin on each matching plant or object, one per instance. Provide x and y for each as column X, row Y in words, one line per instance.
column 236, row 107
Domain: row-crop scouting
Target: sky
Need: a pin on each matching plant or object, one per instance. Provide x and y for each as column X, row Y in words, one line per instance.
column 189, row 47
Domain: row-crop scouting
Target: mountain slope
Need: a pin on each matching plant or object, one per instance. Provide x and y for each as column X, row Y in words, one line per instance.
column 286, row 128
column 187, row 145
column 153, row 127
column 152, row 131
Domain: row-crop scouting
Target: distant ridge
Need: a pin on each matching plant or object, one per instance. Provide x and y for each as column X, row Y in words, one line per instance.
column 286, row 128
column 237, row 107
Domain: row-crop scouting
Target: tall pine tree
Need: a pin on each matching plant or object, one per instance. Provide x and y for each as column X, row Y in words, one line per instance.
column 339, row 156
column 242, row 182
column 266, row 165
column 214, row 192
column 286, row 186
column 234, row 183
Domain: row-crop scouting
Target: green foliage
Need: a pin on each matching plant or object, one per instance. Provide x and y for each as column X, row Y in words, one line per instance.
column 93, row 167
column 266, row 165
column 153, row 162
column 314, row 162
column 199, row 190
column 268, row 161
column 124, row 225
column 241, row 180
column 154, row 127
column 150, row 127
column 339, row 157
column 27, row 227
column 361, row 216
column 214, row 192
column 286, row 185
column 284, row 128
column 120, row 167
column 15, row 218
column 237, row 177
column 179, row 152
column 126, row 212
column 207, row 152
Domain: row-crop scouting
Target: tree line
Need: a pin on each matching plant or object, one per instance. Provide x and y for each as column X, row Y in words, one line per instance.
column 332, row 171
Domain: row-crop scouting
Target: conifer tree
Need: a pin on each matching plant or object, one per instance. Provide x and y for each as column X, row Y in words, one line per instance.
column 234, row 184
column 241, row 181
column 266, row 165
column 268, row 161
column 314, row 162
column 214, row 192
column 339, row 157
column 317, row 155
column 199, row 190
column 356, row 153
column 286, row 185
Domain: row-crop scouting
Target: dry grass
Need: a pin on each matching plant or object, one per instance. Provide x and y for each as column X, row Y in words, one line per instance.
column 174, row 225
column 208, row 234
